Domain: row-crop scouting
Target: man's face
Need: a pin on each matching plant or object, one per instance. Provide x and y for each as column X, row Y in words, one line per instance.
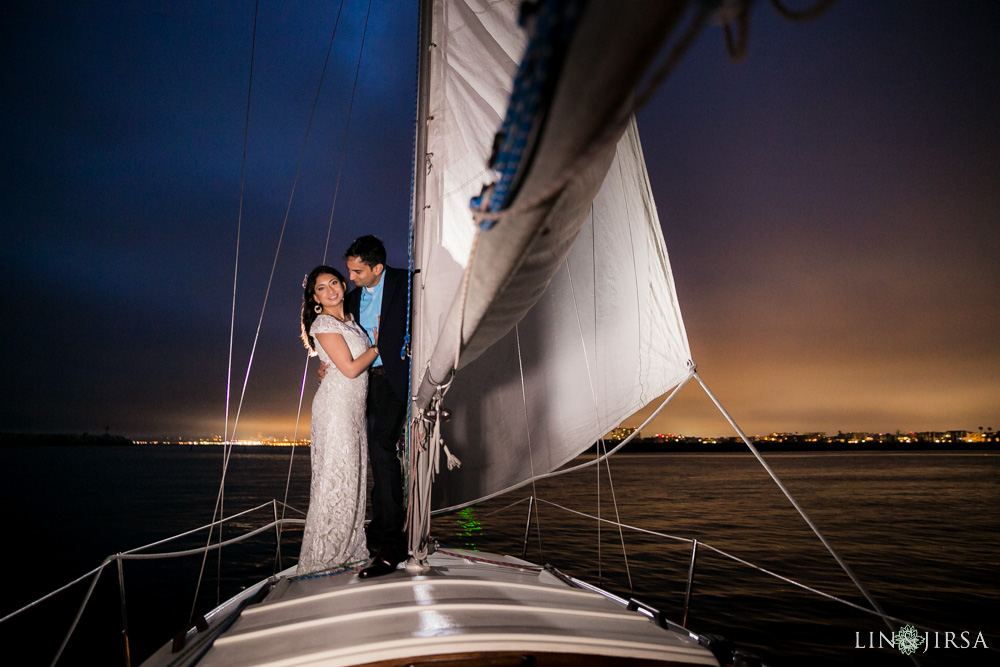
column 363, row 275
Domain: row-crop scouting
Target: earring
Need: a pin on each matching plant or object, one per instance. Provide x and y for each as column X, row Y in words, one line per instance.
column 318, row 309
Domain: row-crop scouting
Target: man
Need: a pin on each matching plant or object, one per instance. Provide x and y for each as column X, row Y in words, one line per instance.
column 379, row 302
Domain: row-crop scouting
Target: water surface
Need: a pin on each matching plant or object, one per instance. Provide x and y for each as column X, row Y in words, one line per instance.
column 920, row 530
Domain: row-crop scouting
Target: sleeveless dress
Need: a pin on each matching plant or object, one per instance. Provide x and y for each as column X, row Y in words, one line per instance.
column 334, row 533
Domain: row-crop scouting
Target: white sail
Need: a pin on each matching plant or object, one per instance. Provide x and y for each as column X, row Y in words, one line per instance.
column 572, row 323
column 476, row 48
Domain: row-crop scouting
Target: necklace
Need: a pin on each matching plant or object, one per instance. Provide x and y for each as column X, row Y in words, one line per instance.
column 339, row 319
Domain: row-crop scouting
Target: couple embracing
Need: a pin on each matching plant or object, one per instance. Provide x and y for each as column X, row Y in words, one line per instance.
column 358, row 411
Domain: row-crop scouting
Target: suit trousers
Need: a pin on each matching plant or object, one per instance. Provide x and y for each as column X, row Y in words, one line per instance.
column 385, row 415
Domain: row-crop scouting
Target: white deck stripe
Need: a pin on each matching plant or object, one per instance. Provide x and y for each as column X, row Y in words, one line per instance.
column 423, row 646
column 237, row 636
column 358, row 589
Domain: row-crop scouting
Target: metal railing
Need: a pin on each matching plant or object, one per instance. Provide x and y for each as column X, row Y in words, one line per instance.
column 136, row 554
column 141, row 553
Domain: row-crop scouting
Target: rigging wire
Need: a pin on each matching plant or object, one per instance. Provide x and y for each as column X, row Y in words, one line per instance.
column 593, row 390
column 410, row 239
column 239, row 221
column 232, row 317
column 527, row 432
column 284, row 224
column 614, row 499
column 600, row 555
column 326, row 246
column 829, row 547
column 291, row 460
column 563, row 471
column 347, row 127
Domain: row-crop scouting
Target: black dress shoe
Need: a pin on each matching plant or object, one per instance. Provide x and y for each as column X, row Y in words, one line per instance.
column 380, row 565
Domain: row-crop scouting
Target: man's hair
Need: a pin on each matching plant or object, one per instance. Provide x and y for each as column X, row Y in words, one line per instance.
column 368, row 249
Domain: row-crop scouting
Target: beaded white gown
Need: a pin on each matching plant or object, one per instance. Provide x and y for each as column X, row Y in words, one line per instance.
column 334, row 534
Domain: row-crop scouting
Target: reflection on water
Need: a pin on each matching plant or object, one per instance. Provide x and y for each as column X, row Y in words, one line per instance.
column 466, row 529
column 920, row 530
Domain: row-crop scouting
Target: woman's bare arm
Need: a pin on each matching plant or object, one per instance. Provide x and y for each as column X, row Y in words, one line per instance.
column 340, row 354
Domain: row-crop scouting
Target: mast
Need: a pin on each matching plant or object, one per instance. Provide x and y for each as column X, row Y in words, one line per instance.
column 418, row 203
column 538, row 385
column 418, row 239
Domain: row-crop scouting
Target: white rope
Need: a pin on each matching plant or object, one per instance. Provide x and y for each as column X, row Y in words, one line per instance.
column 425, row 453
column 212, row 547
column 720, row 552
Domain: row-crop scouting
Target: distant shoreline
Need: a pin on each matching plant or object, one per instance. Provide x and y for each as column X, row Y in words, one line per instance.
column 657, row 447
column 62, row 439
column 638, row 446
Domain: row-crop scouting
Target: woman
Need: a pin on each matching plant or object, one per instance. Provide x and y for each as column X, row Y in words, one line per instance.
column 334, row 534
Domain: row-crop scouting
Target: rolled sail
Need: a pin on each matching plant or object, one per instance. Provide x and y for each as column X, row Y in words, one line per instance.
column 562, row 318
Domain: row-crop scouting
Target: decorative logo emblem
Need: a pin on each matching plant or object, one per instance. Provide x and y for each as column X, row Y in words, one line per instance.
column 908, row 640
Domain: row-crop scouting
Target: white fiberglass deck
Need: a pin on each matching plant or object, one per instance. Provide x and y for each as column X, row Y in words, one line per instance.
column 463, row 605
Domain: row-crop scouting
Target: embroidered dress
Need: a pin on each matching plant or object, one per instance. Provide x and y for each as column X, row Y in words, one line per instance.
column 334, row 534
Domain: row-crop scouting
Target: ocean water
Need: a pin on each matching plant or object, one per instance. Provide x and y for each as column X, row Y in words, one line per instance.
column 920, row 530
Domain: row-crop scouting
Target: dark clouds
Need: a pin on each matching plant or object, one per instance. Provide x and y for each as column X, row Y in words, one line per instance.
column 830, row 206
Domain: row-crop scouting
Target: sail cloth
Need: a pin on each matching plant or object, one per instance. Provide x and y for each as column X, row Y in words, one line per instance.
column 562, row 319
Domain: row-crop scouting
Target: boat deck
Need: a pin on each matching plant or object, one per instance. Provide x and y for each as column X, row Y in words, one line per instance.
column 469, row 608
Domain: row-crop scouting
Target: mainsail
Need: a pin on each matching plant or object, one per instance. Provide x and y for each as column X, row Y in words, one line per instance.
column 563, row 316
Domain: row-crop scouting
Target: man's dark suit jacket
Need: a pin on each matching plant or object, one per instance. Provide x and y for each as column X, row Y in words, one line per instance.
column 392, row 329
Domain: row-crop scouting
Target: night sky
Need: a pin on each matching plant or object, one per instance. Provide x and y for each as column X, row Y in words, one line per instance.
column 830, row 205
